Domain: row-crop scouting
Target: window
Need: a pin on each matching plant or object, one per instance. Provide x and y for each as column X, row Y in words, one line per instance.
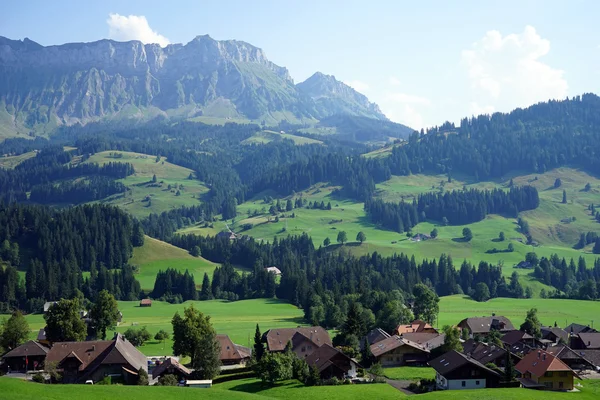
column 477, row 383
column 464, row 383
column 560, row 385
column 548, row 374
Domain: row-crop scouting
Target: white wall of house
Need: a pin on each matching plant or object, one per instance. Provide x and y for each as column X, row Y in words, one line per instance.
column 457, row 384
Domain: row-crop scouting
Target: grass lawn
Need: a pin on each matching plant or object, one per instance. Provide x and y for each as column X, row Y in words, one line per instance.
column 156, row 255
column 454, row 308
column 140, row 185
column 409, row 373
column 12, row 161
column 267, row 136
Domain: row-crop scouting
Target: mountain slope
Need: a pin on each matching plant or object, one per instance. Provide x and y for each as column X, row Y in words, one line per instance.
column 44, row 87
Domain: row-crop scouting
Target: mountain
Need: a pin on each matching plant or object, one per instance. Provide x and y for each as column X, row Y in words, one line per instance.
column 42, row 87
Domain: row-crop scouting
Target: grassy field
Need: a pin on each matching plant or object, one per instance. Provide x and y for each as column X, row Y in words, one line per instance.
column 564, row 312
column 409, row 373
column 140, row 184
column 12, row 161
column 270, row 136
column 155, row 255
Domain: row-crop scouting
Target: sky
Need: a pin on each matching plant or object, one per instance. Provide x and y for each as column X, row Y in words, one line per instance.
column 423, row 62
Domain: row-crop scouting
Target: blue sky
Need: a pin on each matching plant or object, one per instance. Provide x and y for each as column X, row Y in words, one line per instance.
column 422, row 62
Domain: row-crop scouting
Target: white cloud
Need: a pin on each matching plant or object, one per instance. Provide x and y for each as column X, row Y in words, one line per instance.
column 477, row 109
column 408, row 99
column 394, row 81
column 506, row 71
column 406, row 109
column 358, row 85
column 133, row 27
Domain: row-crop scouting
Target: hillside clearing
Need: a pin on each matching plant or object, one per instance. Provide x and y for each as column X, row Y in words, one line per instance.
column 267, row 136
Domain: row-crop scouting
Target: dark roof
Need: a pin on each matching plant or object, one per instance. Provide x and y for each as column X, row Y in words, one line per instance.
column 565, row 353
column 539, row 362
column 593, row 356
column 323, row 357
column 452, row 360
column 429, row 340
column 487, row 353
column 513, row 337
column 374, row 336
column 29, row 348
column 520, row 348
column 277, row 339
column 591, row 340
column 485, row 324
column 549, row 331
column 578, row 328
column 41, row 334
column 229, row 351
column 170, row 362
column 392, row 343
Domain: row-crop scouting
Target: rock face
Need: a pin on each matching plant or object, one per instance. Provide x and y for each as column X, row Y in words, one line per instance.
column 44, row 87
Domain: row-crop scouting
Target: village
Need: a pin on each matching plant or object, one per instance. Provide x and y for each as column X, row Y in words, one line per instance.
column 476, row 353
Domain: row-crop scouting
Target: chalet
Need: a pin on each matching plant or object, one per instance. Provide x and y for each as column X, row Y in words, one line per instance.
column 487, row 353
column 542, row 370
column 227, row 235
column 146, row 303
column 231, row 353
column 513, row 337
column 416, row 326
column 375, row 335
column 421, row 237
column 483, row 325
column 524, row 265
column 575, row 359
column 593, row 356
column 554, row 334
column 82, row 361
column 576, row 329
column 397, row 351
column 173, row 367
column 456, row 370
column 29, row 356
column 589, row 341
column 273, row 270
column 428, row 340
column 310, row 339
column 332, row 363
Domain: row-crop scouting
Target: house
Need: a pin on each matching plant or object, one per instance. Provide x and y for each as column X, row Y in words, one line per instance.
column 456, row 370
column 227, row 235
column 428, row 340
column 41, row 337
column 588, row 340
column 513, row 337
column 593, row 356
column 82, row 361
column 146, row 303
column 575, row 359
column 311, row 337
column 483, row 325
column 173, row 367
column 417, row 326
column 487, row 353
column 48, row 304
column 375, row 335
column 554, row 334
column 576, row 329
column 232, row 354
column 199, row 384
column 273, row 270
column 397, row 351
column 29, row 356
column 421, row 236
column 332, row 363
column 524, row 265
column 542, row 370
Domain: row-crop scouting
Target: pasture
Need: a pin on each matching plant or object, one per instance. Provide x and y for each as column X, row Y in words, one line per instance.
column 267, row 136
column 10, row 162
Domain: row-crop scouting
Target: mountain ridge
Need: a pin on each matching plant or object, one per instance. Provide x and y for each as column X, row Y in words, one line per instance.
column 42, row 87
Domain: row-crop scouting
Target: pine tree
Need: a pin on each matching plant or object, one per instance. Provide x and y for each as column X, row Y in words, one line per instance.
column 509, row 369
column 366, row 356
column 259, row 347
column 206, row 288
column 564, row 198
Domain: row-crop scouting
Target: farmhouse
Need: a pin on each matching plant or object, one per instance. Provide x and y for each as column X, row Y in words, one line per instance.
column 41, row 337
column 554, row 334
column 513, row 337
column 417, row 326
column 575, row 359
column 456, row 370
column 576, row 329
column 310, row 337
column 332, row 363
column 487, row 353
column 542, row 370
column 428, row 340
column 173, row 367
column 374, row 336
column 83, row 361
column 146, row 303
column 397, row 351
column 27, row 357
column 232, row 354
column 483, row 325
column 589, row 340
column 227, row 235
column 273, row 270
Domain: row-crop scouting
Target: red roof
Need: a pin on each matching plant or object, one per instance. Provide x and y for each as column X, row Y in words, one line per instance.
column 146, row 302
column 539, row 362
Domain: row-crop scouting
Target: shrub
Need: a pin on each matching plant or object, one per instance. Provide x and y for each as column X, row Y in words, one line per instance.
column 39, row 378
column 167, row 380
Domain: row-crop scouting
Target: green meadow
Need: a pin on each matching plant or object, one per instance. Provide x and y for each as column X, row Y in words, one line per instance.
column 10, row 162
column 156, row 255
column 161, row 198
column 409, row 373
column 267, row 136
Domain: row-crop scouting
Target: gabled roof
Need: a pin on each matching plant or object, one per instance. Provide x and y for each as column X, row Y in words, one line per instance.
column 591, row 340
column 277, row 339
column 229, row 350
column 428, row 340
column 593, row 356
column 452, row 360
column 513, row 337
column 415, row 327
column 549, row 331
column 170, row 362
column 486, row 353
column 485, row 324
column 325, row 356
column 539, row 362
column 146, row 301
column 274, row 270
column 565, row 353
column 575, row 329
column 393, row 342
column 375, row 335
column 29, row 348
column 41, row 334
